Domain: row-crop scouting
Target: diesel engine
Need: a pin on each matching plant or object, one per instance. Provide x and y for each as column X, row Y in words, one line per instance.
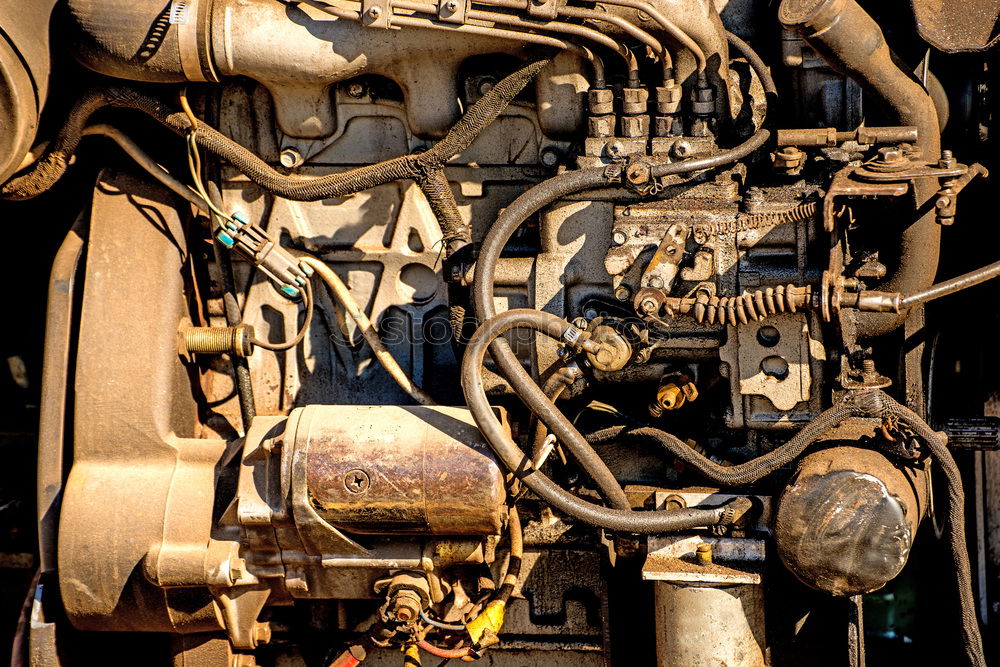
column 528, row 332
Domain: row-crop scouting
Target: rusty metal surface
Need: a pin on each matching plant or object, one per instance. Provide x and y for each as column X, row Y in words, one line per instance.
column 375, row 469
column 957, row 27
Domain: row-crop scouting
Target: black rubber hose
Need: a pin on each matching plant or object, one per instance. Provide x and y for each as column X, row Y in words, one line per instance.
column 756, row 63
column 529, row 392
column 956, row 284
column 621, row 520
column 418, row 167
column 534, row 200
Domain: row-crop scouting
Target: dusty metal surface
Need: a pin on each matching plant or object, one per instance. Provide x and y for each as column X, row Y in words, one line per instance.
column 848, row 519
column 717, row 213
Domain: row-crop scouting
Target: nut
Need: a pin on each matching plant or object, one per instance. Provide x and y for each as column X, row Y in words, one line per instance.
column 290, row 157
column 704, row 553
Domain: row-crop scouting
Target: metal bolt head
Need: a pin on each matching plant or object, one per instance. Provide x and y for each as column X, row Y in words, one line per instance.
column 681, row 149
column 262, row 633
column 614, row 148
column 374, row 12
column 452, row 6
column 237, row 568
column 637, row 173
column 486, row 85
column 656, row 282
column 704, row 553
column 406, row 607
column 549, row 157
column 357, row 481
column 356, row 89
column 889, row 154
column 290, row 157
column 619, row 238
column 622, row 293
column 648, row 306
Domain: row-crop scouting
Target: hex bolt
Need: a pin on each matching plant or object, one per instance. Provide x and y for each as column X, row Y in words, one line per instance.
column 947, row 160
column 619, row 238
column 890, row 154
column 357, row 481
column 704, row 553
column 290, row 157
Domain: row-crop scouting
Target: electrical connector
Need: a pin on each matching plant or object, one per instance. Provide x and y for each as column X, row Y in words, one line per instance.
column 252, row 243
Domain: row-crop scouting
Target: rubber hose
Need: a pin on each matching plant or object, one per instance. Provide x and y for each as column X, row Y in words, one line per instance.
column 533, row 397
column 738, row 475
column 620, row 520
column 531, row 202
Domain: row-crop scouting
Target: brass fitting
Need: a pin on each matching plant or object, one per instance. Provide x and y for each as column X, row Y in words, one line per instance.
column 236, row 340
column 674, row 391
column 704, row 553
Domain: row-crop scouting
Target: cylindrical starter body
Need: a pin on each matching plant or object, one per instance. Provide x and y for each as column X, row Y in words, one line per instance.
column 846, row 521
column 394, row 469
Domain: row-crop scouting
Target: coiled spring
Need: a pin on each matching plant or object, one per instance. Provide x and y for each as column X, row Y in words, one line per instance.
column 703, row 232
column 752, row 306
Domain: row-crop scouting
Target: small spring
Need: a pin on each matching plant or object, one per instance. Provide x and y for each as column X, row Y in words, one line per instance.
column 702, row 233
column 750, row 306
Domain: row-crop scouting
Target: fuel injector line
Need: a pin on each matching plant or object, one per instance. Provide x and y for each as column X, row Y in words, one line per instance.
column 614, row 519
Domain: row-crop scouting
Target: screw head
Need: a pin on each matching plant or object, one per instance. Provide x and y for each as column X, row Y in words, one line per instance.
column 357, row 481
column 374, row 12
column 356, row 89
column 656, row 282
column 622, row 293
column 648, row 306
column 615, row 148
column 619, row 238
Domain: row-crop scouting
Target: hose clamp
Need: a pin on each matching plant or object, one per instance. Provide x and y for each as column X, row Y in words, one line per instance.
column 192, row 18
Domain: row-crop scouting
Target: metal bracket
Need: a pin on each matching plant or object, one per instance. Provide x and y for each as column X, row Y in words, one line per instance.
column 543, row 9
column 376, row 13
column 452, row 11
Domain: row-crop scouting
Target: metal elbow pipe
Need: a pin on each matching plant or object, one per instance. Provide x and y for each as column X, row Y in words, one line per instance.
column 853, row 44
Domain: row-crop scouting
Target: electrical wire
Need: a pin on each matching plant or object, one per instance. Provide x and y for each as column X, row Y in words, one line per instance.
column 308, row 302
column 454, row 627
column 382, row 354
